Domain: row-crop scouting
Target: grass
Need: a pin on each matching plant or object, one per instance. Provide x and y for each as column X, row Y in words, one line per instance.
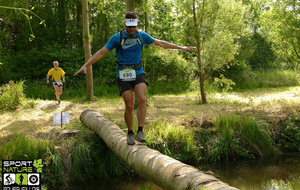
column 18, row 147
column 174, row 141
column 233, row 137
column 92, row 159
column 240, row 136
column 267, row 79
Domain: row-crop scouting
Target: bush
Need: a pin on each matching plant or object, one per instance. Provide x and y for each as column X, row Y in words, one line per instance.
column 289, row 140
column 166, row 66
column 11, row 95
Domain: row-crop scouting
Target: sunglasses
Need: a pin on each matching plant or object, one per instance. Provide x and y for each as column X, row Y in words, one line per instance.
column 131, row 26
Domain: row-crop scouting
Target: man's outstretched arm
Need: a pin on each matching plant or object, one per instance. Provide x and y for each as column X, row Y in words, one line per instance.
column 168, row 45
column 96, row 57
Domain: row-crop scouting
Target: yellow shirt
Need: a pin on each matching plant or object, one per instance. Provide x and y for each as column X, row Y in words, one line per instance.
column 56, row 73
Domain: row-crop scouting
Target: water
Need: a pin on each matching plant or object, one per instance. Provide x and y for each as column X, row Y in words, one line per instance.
column 123, row 183
column 262, row 174
column 282, row 173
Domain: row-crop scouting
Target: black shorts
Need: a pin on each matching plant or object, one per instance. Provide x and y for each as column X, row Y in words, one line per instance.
column 127, row 85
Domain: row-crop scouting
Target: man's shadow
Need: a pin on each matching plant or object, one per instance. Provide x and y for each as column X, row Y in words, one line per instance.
column 50, row 108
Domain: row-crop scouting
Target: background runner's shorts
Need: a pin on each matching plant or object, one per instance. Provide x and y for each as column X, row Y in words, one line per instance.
column 127, row 85
column 58, row 83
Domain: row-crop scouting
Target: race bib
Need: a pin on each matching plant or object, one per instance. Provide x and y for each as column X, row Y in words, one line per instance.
column 127, row 75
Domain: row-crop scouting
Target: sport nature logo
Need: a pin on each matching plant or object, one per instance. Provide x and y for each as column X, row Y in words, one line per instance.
column 21, row 174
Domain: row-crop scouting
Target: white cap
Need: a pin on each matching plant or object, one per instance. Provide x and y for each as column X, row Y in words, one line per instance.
column 131, row 21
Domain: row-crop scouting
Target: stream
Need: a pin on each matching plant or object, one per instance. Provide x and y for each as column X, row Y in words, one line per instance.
column 282, row 173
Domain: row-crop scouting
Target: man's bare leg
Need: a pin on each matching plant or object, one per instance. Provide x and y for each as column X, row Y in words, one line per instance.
column 57, row 94
column 128, row 100
column 140, row 94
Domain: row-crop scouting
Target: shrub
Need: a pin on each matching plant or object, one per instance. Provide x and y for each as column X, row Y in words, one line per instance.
column 289, row 140
column 11, row 95
column 166, row 66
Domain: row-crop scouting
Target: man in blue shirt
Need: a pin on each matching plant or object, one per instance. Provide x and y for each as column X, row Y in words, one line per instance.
column 131, row 76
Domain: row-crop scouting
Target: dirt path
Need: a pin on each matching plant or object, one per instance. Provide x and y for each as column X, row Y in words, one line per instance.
column 273, row 104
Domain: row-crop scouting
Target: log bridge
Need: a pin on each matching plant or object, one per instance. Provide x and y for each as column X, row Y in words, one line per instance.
column 150, row 164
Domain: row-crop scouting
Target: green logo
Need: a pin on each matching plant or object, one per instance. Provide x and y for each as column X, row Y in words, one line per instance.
column 38, row 164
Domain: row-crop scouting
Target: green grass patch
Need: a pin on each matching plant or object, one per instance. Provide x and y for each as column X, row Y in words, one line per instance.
column 233, row 137
column 266, row 79
column 92, row 159
column 19, row 147
column 236, row 137
column 174, row 141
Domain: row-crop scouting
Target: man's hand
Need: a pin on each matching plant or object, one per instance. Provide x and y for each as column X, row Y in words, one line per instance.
column 96, row 57
column 188, row 48
column 47, row 81
column 82, row 69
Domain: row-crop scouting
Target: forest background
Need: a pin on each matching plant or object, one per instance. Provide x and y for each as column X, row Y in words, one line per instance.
column 242, row 44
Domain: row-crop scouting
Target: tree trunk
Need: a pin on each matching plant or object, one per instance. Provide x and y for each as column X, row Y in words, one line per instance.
column 147, row 27
column 62, row 21
column 87, row 50
column 201, row 77
column 78, row 22
column 26, row 25
column 163, row 170
column 129, row 6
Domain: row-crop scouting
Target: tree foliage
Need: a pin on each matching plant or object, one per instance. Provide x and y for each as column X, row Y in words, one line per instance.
column 281, row 24
column 232, row 34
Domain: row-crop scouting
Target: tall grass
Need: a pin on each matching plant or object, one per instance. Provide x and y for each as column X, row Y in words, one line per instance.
column 56, row 170
column 238, row 137
column 233, row 137
column 266, row 79
column 174, row 141
column 18, row 146
column 82, row 164
column 92, row 159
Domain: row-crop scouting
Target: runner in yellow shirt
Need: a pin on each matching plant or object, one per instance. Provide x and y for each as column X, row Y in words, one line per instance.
column 57, row 74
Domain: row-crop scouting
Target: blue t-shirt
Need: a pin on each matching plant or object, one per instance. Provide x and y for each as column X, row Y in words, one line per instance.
column 131, row 48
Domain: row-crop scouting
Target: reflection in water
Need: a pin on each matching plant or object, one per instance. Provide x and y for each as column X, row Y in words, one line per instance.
column 265, row 174
column 123, row 183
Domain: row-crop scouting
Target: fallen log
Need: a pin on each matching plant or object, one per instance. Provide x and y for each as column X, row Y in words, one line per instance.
column 162, row 170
